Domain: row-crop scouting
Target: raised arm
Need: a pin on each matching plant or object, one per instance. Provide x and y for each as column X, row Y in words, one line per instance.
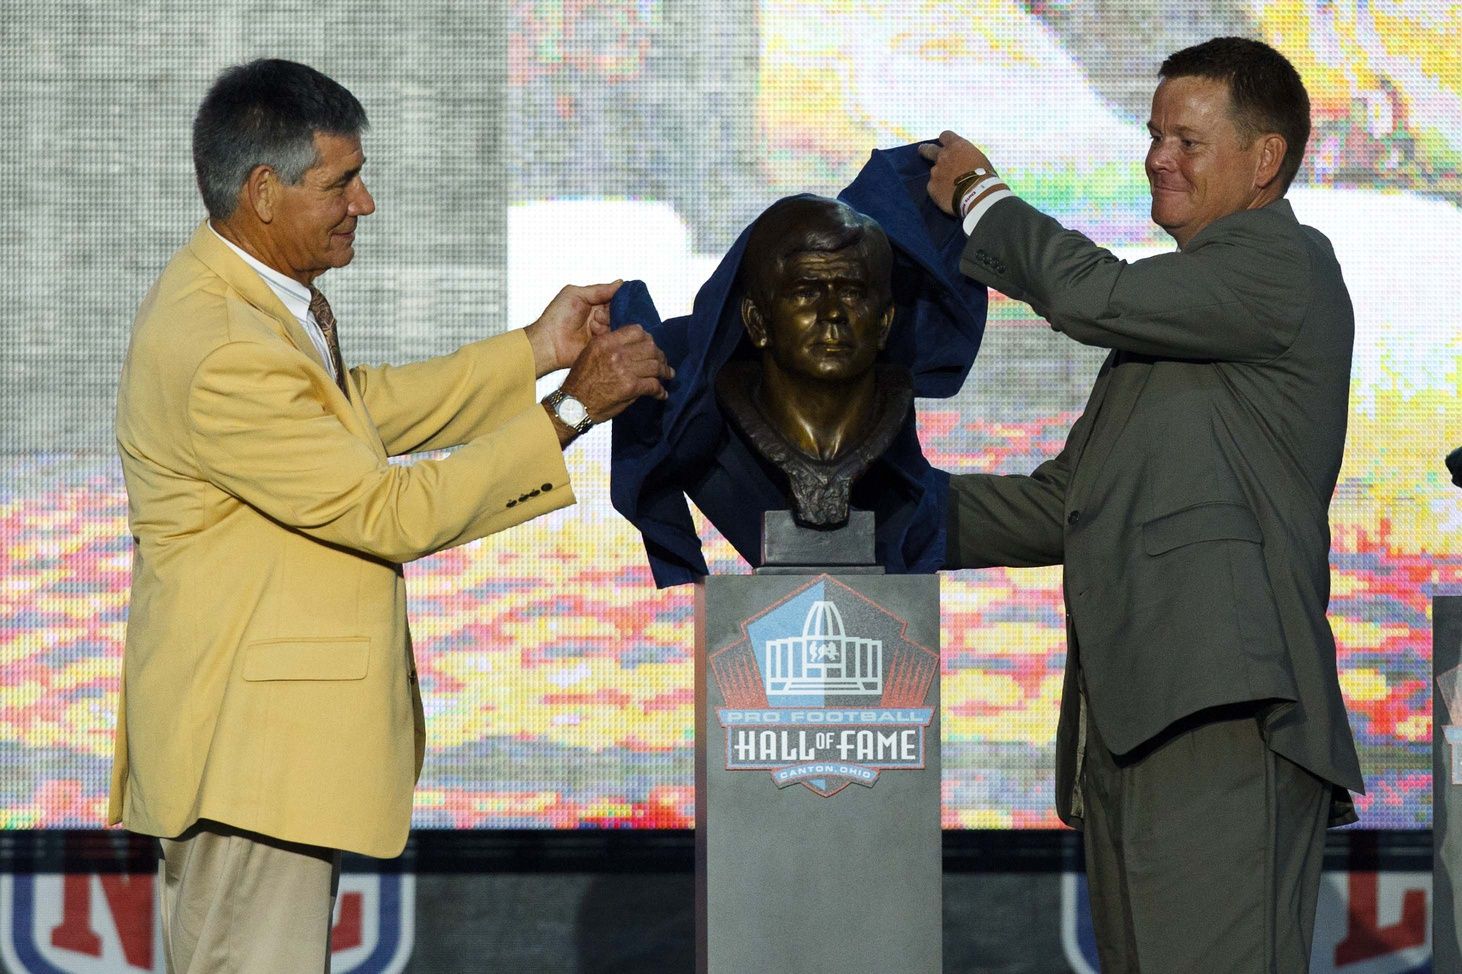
column 449, row 400
column 445, row 401
column 1238, row 293
column 259, row 433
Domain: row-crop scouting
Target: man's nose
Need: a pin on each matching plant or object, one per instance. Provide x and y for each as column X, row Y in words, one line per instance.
column 363, row 203
column 1159, row 157
column 832, row 308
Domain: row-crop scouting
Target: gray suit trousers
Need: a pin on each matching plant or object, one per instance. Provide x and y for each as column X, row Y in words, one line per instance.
column 1204, row 851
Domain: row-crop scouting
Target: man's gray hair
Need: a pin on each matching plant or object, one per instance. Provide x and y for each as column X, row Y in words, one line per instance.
column 265, row 113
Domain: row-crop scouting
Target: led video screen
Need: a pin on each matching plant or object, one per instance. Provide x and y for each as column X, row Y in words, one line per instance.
column 519, row 146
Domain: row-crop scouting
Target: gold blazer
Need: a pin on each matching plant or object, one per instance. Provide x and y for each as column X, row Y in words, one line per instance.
column 268, row 680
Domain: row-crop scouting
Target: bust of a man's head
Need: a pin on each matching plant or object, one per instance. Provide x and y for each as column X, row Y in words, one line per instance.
column 817, row 298
column 817, row 302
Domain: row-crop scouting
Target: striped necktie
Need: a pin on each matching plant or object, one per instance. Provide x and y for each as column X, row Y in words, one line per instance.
column 325, row 318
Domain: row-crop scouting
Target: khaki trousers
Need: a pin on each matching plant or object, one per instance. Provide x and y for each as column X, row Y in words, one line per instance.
column 235, row 902
column 1203, row 851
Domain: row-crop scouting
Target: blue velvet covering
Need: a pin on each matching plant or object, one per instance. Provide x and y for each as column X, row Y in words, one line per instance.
column 663, row 451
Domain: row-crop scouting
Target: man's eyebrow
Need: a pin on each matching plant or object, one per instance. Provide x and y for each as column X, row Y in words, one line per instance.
column 1182, row 131
column 830, row 279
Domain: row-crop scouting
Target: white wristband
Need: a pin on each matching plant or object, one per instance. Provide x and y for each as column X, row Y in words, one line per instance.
column 972, row 218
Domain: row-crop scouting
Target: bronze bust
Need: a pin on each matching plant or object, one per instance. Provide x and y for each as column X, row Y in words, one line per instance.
column 817, row 301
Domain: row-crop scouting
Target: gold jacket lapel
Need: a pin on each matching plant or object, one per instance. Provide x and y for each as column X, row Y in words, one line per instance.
column 211, row 250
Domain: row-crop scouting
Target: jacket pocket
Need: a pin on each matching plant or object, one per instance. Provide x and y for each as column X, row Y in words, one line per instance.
column 1202, row 522
column 307, row 659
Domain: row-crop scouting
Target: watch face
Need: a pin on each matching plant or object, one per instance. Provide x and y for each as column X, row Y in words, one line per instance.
column 571, row 411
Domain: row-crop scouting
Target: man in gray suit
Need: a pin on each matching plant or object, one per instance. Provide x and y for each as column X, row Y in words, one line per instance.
column 1203, row 744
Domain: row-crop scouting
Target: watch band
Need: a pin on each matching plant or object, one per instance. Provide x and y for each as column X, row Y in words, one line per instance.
column 555, row 398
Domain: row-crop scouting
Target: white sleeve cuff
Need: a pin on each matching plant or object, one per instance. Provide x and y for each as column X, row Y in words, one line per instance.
column 972, row 218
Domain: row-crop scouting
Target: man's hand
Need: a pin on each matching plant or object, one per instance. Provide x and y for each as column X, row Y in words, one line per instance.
column 953, row 157
column 572, row 318
column 614, row 370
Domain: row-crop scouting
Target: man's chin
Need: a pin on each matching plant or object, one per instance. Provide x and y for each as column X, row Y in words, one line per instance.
column 837, row 372
column 1167, row 221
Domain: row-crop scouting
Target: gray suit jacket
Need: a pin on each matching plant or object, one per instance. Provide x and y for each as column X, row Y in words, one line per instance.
column 1190, row 503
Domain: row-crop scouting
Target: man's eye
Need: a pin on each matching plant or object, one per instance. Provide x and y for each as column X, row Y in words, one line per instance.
column 853, row 292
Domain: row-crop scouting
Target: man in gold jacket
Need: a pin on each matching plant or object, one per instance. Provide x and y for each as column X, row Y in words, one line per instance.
column 270, row 712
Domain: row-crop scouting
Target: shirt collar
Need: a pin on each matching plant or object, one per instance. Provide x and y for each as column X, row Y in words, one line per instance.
column 292, row 294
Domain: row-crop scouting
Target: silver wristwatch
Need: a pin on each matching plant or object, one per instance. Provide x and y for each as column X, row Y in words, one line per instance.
column 569, row 411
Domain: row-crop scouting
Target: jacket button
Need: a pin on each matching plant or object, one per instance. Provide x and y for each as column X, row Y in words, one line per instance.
column 548, row 487
column 511, row 503
column 534, row 493
column 1073, row 517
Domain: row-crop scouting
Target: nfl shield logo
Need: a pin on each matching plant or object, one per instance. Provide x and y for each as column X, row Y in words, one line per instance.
column 107, row 923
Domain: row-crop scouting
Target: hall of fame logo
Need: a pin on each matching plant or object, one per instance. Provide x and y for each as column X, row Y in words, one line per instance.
column 824, row 689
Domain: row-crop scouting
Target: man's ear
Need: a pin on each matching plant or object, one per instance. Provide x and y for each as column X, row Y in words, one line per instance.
column 885, row 325
column 261, row 191
column 755, row 325
column 1272, row 149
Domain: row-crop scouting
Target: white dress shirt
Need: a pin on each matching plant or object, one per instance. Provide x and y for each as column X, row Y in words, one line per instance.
column 293, row 295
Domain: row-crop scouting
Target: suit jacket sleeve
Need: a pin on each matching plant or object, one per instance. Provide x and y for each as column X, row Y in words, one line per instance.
column 1238, row 293
column 1017, row 521
column 451, row 399
column 259, row 432
column 1012, row 520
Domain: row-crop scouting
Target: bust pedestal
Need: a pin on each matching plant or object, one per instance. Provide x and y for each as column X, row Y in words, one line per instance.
column 818, row 844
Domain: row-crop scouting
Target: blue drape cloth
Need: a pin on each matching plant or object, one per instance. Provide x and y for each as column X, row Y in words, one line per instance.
column 663, row 451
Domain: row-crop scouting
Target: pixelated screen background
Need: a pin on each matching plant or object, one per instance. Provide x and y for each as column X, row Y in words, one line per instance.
column 517, row 146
